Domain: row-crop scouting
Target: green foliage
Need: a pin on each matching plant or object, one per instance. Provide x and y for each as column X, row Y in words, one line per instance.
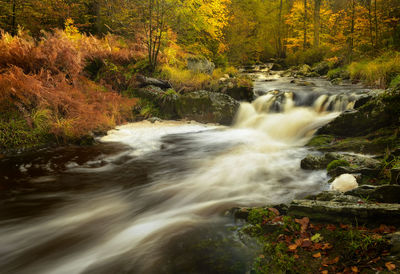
column 395, row 82
column 309, row 56
column 337, row 163
column 379, row 72
column 15, row 131
column 340, row 72
column 147, row 108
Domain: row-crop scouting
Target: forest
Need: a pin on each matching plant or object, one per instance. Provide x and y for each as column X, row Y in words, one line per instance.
column 199, row 136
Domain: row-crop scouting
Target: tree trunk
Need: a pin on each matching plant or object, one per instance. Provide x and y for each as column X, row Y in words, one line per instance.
column 98, row 25
column 279, row 46
column 317, row 22
column 13, row 18
column 351, row 44
column 305, row 25
column 371, row 36
column 376, row 26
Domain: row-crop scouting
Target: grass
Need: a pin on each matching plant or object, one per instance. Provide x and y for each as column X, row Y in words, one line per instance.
column 379, row 72
column 184, row 80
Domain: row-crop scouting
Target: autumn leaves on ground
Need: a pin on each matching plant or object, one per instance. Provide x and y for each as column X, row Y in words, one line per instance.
column 298, row 246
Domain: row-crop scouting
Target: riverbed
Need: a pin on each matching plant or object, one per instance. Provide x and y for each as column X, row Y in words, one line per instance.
column 155, row 197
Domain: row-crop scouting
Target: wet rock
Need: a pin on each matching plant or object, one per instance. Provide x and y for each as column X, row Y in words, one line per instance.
column 356, row 162
column 380, row 194
column 154, row 119
column 395, row 176
column 302, row 83
column 276, row 66
column 207, row 107
column 346, row 212
column 321, row 68
column 164, row 100
column 314, row 162
column 395, row 244
column 304, row 70
column 238, row 90
column 376, row 114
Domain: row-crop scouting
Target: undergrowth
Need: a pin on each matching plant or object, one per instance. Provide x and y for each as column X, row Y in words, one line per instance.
column 44, row 94
column 291, row 245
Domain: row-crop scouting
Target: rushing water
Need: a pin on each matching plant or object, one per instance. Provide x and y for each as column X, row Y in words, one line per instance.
column 151, row 198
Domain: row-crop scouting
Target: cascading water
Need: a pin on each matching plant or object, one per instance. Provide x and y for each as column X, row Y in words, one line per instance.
column 129, row 212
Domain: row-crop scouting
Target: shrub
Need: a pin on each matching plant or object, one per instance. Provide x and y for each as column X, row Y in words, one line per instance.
column 379, row 72
column 309, row 56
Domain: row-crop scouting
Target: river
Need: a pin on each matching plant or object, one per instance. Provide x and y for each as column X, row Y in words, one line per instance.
column 153, row 198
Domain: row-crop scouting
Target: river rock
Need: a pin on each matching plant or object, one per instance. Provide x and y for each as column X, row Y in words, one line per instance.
column 207, row 107
column 143, row 81
column 380, row 194
column 346, row 212
column 238, row 89
column 321, row 68
column 357, row 162
column 164, row 101
column 378, row 113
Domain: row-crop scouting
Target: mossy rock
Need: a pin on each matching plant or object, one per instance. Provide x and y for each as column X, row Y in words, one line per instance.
column 337, row 163
column 207, row 107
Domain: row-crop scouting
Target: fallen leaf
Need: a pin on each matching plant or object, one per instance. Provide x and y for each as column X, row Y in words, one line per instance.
column 293, row 247
column 274, row 210
column 342, row 226
column 317, row 255
column 317, row 238
column 299, row 242
column 324, row 272
column 331, row 227
column 304, row 223
column 390, row 266
column 277, row 219
column 296, row 256
column 375, row 260
column 261, row 256
column 355, row 269
column 306, row 243
column 327, row 246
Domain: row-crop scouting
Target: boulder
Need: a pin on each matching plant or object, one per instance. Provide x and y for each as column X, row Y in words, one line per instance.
column 380, row 194
column 165, row 101
column 207, row 107
column 321, row 68
column 357, row 163
column 381, row 112
column 238, row 89
column 359, row 213
column 143, row 81
column 201, row 65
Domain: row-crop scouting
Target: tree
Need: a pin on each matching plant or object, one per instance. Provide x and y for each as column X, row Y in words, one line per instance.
column 317, row 22
column 305, row 26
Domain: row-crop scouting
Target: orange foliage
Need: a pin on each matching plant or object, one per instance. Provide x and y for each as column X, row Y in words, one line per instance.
column 46, row 75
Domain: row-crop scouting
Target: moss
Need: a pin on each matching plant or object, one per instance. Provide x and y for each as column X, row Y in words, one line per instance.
column 16, row 132
column 321, row 140
column 314, row 247
column 337, row 163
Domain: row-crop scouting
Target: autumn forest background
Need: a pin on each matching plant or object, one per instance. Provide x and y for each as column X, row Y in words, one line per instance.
column 68, row 68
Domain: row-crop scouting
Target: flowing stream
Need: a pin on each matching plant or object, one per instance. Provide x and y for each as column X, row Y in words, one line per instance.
column 152, row 198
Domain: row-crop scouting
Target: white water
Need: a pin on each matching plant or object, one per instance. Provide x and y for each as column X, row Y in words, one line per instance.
column 204, row 171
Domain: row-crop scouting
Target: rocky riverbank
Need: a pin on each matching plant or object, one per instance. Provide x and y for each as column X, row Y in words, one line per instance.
column 341, row 231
